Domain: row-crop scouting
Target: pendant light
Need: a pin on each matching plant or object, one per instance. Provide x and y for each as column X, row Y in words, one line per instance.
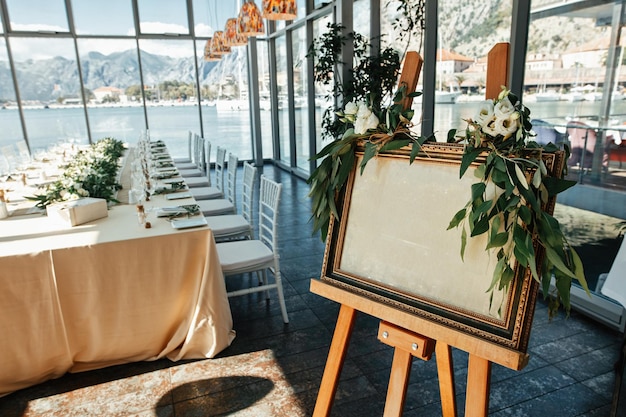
column 208, row 55
column 218, row 47
column 232, row 37
column 250, row 21
column 280, row 9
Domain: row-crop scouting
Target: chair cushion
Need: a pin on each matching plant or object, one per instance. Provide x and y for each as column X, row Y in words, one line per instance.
column 216, row 207
column 228, row 224
column 186, row 164
column 194, row 182
column 206, row 193
column 243, row 256
column 195, row 172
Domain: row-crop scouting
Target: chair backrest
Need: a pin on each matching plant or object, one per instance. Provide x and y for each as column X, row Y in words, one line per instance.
column 269, row 197
column 247, row 196
column 220, row 160
column 207, row 159
column 190, row 145
column 232, row 178
column 199, row 152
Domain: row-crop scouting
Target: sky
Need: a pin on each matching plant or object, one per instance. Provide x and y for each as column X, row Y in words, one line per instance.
column 113, row 17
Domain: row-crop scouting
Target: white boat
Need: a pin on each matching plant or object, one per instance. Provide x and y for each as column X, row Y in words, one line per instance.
column 547, row 95
column 231, row 105
column 446, row 97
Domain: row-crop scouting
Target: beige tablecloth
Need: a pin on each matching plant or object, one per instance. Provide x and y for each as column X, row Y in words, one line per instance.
column 105, row 293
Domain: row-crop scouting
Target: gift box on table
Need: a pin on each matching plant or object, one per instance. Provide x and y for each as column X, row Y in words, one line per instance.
column 75, row 212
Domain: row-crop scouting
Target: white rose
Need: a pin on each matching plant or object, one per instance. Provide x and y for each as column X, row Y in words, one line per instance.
column 364, row 111
column 490, row 128
column 503, row 108
column 371, row 122
column 506, row 126
column 485, row 113
column 359, row 126
column 351, row 108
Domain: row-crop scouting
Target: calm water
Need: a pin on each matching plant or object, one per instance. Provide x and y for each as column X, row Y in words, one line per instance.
column 228, row 129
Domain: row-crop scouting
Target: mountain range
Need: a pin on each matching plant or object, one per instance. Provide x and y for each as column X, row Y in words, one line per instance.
column 468, row 28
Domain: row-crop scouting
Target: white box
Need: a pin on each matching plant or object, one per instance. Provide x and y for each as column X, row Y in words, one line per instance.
column 75, row 212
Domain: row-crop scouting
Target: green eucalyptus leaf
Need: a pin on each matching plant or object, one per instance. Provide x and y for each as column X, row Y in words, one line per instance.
column 415, row 150
column 458, row 217
column 498, row 240
column 478, row 189
column 558, row 263
column 393, row 145
column 463, row 243
column 468, row 158
column 369, row 153
column 557, row 185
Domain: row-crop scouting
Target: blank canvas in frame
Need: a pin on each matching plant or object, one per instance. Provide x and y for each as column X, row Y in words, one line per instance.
column 392, row 246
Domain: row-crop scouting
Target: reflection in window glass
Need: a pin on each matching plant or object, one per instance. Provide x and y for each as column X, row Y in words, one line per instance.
column 171, row 101
column 37, row 15
column 53, row 104
column 168, row 17
column 301, row 113
column 301, row 9
column 265, row 104
column 114, row 100
column 283, row 103
column 12, row 135
column 457, row 51
column 361, row 13
column 111, row 17
column 227, row 122
column 323, row 93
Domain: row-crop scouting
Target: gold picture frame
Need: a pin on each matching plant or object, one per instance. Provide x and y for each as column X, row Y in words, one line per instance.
column 392, row 246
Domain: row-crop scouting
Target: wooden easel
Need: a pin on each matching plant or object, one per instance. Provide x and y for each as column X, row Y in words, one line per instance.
column 412, row 336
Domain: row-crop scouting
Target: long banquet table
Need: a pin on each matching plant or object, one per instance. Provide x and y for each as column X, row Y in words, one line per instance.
column 104, row 293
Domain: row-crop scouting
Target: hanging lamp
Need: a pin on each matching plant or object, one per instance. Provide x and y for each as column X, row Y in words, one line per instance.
column 218, row 47
column 280, row 9
column 209, row 56
column 232, row 37
column 250, row 21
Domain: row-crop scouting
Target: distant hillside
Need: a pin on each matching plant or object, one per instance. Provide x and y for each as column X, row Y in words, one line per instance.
column 469, row 28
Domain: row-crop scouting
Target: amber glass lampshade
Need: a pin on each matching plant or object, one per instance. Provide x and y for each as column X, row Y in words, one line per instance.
column 232, row 37
column 218, row 47
column 280, row 9
column 208, row 55
column 250, row 21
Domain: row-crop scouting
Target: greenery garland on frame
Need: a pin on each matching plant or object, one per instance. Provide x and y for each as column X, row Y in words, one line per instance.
column 505, row 203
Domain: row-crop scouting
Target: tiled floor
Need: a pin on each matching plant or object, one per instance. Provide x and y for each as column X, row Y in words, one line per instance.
column 273, row 369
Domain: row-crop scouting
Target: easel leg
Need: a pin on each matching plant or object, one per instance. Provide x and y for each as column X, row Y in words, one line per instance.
column 445, row 371
column 478, row 381
column 334, row 363
column 398, row 383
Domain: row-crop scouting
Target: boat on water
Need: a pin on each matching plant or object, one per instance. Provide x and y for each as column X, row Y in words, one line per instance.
column 447, row 97
column 231, row 105
column 547, row 95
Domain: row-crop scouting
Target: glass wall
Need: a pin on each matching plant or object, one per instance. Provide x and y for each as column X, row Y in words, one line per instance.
column 301, row 91
column 283, row 99
column 167, row 71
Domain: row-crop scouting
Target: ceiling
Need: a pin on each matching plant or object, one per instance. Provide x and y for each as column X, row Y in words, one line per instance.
column 601, row 11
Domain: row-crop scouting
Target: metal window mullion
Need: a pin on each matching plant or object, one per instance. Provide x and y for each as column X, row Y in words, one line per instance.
column 192, row 33
column 254, row 99
column 72, row 27
column 271, row 52
column 430, row 67
column 311, row 95
column 142, row 85
column 291, row 99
